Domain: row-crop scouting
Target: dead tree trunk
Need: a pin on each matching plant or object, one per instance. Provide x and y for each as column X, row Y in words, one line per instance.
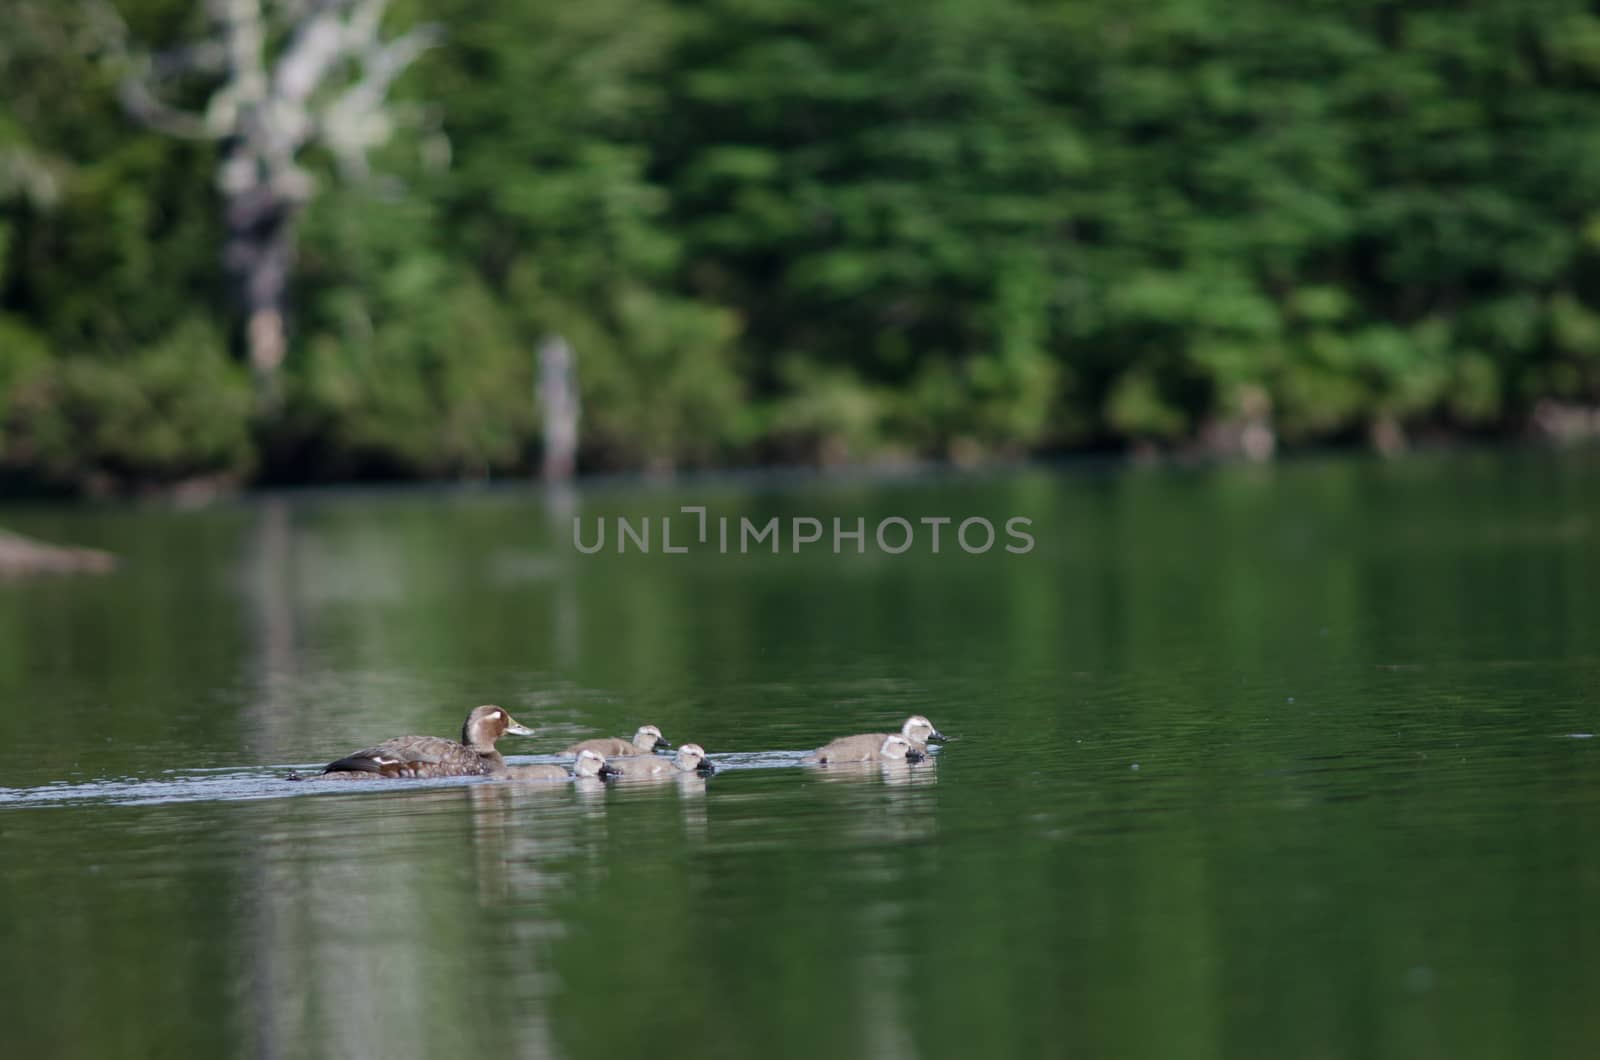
column 268, row 103
column 559, row 408
column 259, row 258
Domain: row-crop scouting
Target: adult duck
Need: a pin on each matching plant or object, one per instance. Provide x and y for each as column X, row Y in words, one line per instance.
column 433, row 756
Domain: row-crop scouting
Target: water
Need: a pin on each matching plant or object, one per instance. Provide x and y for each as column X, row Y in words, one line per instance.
column 1288, row 761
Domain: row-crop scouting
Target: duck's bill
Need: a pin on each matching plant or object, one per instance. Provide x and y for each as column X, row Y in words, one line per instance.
column 936, row 737
column 705, row 767
column 663, row 745
column 915, row 756
column 516, row 728
column 610, row 771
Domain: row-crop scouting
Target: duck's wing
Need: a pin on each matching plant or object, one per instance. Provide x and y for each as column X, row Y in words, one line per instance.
column 412, row 756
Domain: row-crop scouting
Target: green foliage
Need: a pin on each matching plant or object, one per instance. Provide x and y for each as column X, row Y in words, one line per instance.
column 177, row 410
column 22, row 353
column 797, row 230
column 445, row 392
column 827, row 413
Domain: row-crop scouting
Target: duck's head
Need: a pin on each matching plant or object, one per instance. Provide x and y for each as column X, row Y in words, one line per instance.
column 897, row 748
column 692, row 758
column 591, row 764
column 488, row 723
column 918, row 729
column 649, row 738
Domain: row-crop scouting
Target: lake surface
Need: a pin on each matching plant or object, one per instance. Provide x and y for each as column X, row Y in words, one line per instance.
column 1291, row 761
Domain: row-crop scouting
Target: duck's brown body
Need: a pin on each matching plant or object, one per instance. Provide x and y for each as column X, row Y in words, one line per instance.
column 433, row 756
column 418, row 756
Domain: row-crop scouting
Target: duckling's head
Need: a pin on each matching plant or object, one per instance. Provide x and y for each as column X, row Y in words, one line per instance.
column 897, row 748
column 591, row 764
column 692, row 758
column 918, row 729
column 648, row 738
column 488, row 723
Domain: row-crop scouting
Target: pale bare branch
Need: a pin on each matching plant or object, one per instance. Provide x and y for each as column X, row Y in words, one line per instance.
column 313, row 51
column 359, row 118
column 282, row 74
column 362, row 29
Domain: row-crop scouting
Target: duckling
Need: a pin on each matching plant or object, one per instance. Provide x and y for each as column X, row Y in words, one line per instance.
column 589, row 764
column 691, row 758
column 891, row 748
column 432, row 756
column 646, row 741
column 917, row 731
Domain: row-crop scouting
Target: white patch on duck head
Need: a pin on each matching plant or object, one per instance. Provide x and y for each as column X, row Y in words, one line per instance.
column 917, row 729
column 495, row 722
column 484, row 725
column 588, row 764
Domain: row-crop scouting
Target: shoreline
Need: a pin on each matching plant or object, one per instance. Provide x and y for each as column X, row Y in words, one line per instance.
column 190, row 495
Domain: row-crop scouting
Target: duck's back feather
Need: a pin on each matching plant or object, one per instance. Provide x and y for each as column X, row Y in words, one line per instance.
column 414, row 756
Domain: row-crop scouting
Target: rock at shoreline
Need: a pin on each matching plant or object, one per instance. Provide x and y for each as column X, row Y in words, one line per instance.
column 24, row 555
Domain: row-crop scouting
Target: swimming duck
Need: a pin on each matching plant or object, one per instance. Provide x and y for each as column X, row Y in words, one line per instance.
column 433, row 756
column 917, row 731
column 891, row 748
column 644, row 742
column 589, row 764
column 691, row 758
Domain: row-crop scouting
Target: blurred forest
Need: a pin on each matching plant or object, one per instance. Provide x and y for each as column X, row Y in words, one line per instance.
column 816, row 230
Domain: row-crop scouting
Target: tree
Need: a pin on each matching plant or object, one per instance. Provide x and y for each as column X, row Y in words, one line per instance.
column 327, row 83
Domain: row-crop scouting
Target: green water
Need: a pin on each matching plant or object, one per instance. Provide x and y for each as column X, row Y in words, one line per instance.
column 1281, row 762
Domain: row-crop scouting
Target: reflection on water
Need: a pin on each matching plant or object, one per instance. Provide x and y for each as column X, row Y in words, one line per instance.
column 1288, row 757
column 891, row 772
column 210, row 785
